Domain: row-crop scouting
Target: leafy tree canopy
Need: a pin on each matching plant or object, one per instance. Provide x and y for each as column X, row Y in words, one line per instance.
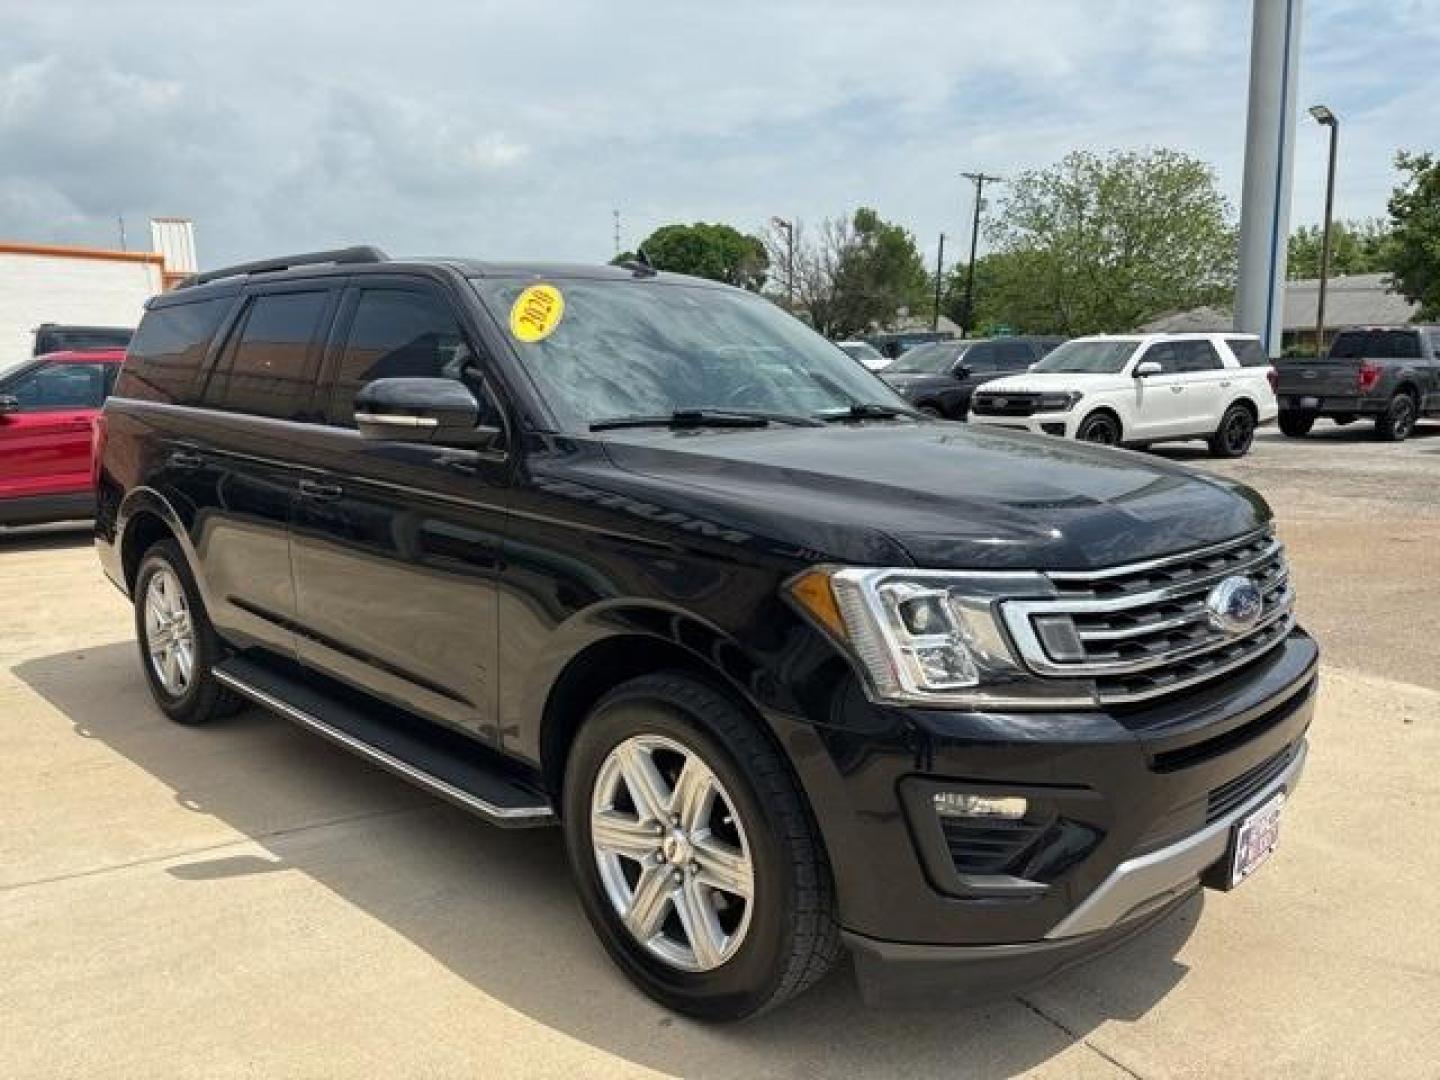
column 1097, row 244
column 1414, row 247
column 1356, row 247
column 718, row 252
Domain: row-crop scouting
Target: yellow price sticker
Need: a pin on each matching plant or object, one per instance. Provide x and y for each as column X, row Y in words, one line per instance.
column 536, row 313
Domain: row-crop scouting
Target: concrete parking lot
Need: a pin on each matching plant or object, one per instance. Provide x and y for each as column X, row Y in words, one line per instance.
column 246, row 900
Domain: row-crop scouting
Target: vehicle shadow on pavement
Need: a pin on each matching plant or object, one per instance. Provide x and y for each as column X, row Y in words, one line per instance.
column 496, row 907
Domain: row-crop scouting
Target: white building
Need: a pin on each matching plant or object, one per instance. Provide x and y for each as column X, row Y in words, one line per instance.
column 42, row 283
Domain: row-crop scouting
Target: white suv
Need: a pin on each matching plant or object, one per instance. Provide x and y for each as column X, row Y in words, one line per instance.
column 1141, row 388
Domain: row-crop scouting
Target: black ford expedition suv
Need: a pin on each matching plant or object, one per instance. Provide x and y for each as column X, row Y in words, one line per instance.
column 1388, row 374
column 794, row 667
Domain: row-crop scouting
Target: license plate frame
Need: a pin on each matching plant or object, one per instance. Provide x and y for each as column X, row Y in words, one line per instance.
column 1253, row 839
column 1309, row 402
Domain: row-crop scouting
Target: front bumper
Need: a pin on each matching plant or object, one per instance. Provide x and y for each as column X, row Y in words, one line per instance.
column 1062, row 424
column 1147, row 797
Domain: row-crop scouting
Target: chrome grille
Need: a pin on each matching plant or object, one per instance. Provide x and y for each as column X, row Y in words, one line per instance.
column 1144, row 629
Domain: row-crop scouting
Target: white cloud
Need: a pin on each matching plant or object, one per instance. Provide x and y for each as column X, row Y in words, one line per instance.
column 506, row 130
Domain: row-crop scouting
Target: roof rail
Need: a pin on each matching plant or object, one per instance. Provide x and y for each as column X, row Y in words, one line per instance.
column 363, row 253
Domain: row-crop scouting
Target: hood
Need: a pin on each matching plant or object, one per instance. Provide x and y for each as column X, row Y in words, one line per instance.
column 907, row 383
column 1052, row 381
column 947, row 495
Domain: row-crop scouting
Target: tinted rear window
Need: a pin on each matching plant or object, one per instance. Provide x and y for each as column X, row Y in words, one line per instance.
column 1249, row 352
column 1379, row 344
column 169, row 348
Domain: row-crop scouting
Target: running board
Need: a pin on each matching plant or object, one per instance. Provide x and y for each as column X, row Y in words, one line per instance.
column 470, row 776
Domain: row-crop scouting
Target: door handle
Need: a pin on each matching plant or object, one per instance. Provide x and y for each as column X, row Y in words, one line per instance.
column 1225, row 382
column 185, row 459
column 1177, row 389
column 320, row 491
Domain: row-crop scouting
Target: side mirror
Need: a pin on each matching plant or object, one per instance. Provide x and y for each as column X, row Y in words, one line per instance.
column 440, row 411
column 962, row 371
column 9, row 404
column 1146, row 368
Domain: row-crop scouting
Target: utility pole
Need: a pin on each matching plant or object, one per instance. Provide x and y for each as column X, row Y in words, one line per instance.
column 617, row 230
column 939, row 270
column 979, row 179
column 788, row 227
column 121, row 219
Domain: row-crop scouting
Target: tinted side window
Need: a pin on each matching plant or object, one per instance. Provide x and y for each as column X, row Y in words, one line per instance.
column 1249, row 352
column 53, row 387
column 1013, row 355
column 1164, row 354
column 1435, row 342
column 267, row 368
column 397, row 333
column 1197, row 356
column 981, row 358
column 169, row 348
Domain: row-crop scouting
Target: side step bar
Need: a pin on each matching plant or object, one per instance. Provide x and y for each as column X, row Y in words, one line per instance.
column 471, row 777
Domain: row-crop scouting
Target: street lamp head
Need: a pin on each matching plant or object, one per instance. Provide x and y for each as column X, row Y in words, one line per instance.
column 1323, row 114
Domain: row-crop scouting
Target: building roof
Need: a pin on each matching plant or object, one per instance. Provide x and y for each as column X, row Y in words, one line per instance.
column 1355, row 300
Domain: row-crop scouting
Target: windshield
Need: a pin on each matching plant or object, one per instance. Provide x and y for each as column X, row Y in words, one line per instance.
column 646, row 347
column 933, row 359
column 864, row 352
column 1088, row 357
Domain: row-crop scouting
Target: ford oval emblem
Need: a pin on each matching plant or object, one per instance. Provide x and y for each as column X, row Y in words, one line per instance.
column 1000, row 402
column 1234, row 605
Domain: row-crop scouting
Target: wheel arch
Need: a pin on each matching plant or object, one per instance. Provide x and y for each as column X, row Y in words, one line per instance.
column 1107, row 410
column 146, row 517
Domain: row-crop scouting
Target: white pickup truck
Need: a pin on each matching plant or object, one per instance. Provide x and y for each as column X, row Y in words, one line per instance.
column 1139, row 389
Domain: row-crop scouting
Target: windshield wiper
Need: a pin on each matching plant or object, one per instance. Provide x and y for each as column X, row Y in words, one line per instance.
column 865, row 410
column 694, row 418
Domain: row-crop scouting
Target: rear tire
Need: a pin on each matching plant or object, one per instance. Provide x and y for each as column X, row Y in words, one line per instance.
column 1398, row 420
column 1236, row 433
column 757, row 950
column 1296, row 424
column 178, row 646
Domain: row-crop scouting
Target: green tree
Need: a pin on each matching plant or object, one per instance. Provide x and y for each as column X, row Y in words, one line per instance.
column 1414, row 248
column 1098, row 244
column 718, row 252
column 1356, row 247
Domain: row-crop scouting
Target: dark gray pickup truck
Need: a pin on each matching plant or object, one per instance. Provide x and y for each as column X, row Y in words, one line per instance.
column 1389, row 374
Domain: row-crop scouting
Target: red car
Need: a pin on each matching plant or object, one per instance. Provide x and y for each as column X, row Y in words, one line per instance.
column 48, row 409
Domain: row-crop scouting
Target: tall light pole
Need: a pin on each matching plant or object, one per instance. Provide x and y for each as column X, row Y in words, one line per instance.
column 939, row 270
column 1328, row 119
column 788, row 227
column 979, row 179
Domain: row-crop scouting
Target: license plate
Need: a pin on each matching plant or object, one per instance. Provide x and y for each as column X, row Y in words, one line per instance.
column 1309, row 403
column 1255, row 839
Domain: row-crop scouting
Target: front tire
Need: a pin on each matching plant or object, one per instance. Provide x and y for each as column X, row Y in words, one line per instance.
column 1232, row 439
column 178, row 646
column 1099, row 428
column 694, row 853
column 1398, row 420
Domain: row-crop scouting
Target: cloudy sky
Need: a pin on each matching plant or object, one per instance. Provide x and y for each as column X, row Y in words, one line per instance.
column 512, row 130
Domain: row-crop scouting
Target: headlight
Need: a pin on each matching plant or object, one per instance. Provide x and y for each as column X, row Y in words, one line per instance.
column 1063, row 401
column 924, row 636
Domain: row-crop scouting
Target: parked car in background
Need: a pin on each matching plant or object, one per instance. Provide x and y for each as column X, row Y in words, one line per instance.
column 1388, row 374
column 48, row 410
column 1140, row 389
column 57, row 337
column 866, row 353
column 939, row 378
column 893, row 344
column 796, row 669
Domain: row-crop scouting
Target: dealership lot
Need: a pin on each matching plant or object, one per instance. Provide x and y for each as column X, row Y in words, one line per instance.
column 247, row 900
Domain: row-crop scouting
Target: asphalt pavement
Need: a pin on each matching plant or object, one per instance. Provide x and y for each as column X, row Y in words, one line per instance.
column 246, row 900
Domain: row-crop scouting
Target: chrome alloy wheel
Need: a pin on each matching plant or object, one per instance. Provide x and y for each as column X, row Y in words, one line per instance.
column 672, row 852
column 169, row 635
